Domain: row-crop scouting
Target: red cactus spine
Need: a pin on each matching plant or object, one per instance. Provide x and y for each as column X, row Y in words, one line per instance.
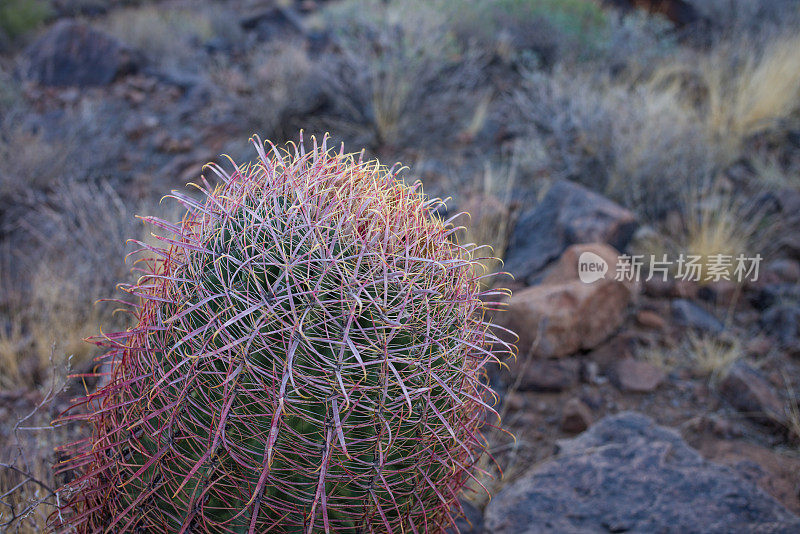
column 308, row 355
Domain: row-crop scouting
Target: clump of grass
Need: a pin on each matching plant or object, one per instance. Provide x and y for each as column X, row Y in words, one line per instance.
column 706, row 355
column 169, row 36
column 69, row 259
column 489, row 218
column 18, row 17
column 665, row 357
column 31, row 162
column 750, row 91
column 398, row 78
column 712, row 356
column 632, row 139
column 280, row 89
column 717, row 223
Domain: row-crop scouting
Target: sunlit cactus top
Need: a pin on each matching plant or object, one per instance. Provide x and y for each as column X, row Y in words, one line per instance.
column 307, row 356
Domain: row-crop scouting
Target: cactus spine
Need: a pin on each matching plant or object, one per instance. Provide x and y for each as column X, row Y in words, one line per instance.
column 307, row 355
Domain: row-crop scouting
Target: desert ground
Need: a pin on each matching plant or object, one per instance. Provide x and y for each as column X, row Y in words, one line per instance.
column 633, row 131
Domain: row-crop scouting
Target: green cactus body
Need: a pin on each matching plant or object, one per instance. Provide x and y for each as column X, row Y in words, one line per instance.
column 308, row 356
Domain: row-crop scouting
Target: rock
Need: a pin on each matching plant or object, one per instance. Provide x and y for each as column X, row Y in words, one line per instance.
column 768, row 295
column 274, row 22
column 570, row 316
column 790, row 245
column 685, row 289
column 75, row 54
column 687, row 313
column 774, row 472
column 590, row 372
column 782, row 321
column 567, row 267
column 576, row 416
column 515, row 401
column 636, row 376
column 782, row 270
column 471, row 522
column 626, row 474
column 568, row 214
column 747, row 390
column 650, row 319
column 659, row 288
column 549, row 375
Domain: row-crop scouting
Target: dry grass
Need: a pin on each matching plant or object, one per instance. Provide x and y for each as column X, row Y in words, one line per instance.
column 21, row 498
column 489, row 218
column 27, row 482
column 661, row 356
column 31, row 163
column 279, row 88
column 717, row 222
column 749, row 92
column 712, row 228
column 633, row 139
column 74, row 255
column 398, row 77
column 706, row 355
column 772, row 174
column 713, row 356
column 172, row 37
column 741, row 87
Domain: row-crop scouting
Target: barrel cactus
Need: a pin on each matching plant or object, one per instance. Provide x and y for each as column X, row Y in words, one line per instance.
column 307, row 355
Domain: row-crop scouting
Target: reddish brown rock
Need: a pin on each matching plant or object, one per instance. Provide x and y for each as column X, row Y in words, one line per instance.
column 576, row 416
column 650, row 319
column 570, row 316
column 549, row 375
column 566, row 268
column 636, row 376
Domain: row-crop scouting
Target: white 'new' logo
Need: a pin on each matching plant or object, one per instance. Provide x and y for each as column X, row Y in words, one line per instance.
column 591, row 267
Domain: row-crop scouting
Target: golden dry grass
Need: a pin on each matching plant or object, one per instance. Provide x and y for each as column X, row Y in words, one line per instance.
column 487, row 217
column 719, row 222
column 705, row 355
column 749, row 92
column 712, row 356
column 714, row 227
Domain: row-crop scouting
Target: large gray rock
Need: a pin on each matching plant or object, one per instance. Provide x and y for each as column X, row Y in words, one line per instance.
column 626, row 474
column 75, row 54
column 568, row 214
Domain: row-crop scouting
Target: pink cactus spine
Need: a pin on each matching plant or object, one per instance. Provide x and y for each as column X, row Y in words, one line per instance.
column 308, row 355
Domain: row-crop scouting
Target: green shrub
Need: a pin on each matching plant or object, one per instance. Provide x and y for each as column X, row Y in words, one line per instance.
column 18, row 17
